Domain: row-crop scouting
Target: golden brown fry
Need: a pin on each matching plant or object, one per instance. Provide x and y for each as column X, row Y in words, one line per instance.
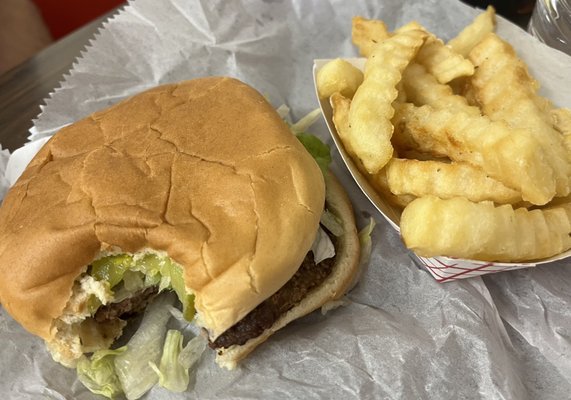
column 507, row 144
column 371, row 109
column 511, row 156
column 338, row 76
column 459, row 228
column 411, row 26
column 446, row 180
column 411, row 138
column 557, row 219
column 413, row 154
column 563, row 203
column 366, row 33
column 401, row 97
column 341, row 107
column 557, row 202
column 561, row 118
column 473, row 34
column 381, row 185
column 440, row 60
column 422, row 88
column 505, row 91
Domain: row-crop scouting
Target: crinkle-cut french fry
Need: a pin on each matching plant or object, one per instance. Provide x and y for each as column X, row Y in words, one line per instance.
column 409, row 137
column 505, row 91
column 401, row 96
column 473, row 34
column 413, row 154
column 410, row 26
column 512, row 156
column 446, row 180
column 460, row 228
column 380, row 183
column 341, row 107
column 366, row 33
column 561, row 118
column 563, row 203
column 557, row 219
column 338, row 76
column 440, row 60
column 422, row 88
column 371, row 109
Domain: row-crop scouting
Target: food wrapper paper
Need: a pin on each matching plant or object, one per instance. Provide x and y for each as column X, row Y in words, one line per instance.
column 399, row 334
column 4, row 183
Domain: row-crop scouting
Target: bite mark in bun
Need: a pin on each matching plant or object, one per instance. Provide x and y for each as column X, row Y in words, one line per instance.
column 200, row 186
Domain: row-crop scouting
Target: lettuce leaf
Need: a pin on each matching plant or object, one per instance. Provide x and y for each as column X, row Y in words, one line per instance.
column 365, row 241
column 172, row 376
column 132, row 366
column 318, row 150
column 332, row 223
column 303, row 124
column 98, row 373
column 322, row 246
column 175, row 362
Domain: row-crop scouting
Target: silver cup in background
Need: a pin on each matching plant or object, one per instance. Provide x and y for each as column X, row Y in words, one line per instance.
column 551, row 23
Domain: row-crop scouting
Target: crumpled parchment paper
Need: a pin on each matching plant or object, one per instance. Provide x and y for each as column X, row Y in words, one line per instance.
column 400, row 335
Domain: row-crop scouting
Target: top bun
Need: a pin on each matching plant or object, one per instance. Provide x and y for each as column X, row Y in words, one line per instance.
column 204, row 170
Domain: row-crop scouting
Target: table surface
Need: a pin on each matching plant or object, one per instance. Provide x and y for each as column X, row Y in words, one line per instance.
column 24, row 88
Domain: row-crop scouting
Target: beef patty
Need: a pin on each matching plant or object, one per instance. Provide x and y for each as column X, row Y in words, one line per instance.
column 128, row 307
column 308, row 276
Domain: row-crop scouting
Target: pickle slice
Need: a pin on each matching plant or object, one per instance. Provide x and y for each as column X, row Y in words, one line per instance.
column 156, row 270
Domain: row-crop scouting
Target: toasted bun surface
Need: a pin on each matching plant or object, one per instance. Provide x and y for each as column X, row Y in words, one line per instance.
column 204, row 170
column 344, row 273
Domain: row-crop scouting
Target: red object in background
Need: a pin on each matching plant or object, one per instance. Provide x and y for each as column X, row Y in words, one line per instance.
column 65, row 16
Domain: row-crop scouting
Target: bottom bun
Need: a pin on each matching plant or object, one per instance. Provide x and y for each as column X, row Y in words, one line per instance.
column 341, row 279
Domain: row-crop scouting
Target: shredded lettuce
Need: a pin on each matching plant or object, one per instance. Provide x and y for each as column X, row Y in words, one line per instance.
column 303, row 124
column 332, row 223
column 318, row 150
column 172, row 376
column 132, row 366
column 365, row 241
column 190, row 355
column 98, row 373
column 175, row 362
column 322, row 246
column 283, row 111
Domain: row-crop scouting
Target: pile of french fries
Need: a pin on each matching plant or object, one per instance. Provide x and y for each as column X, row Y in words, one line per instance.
column 456, row 136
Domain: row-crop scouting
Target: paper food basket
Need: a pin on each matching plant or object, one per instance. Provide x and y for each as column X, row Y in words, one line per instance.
column 443, row 269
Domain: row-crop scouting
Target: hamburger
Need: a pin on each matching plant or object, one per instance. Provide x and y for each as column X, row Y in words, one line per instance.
column 197, row 187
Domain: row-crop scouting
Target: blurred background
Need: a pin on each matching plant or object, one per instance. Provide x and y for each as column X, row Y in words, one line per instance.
column 27, row 26
column 517, row 11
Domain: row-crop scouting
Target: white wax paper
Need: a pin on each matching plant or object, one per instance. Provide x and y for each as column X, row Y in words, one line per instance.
column 4, row 157
column 401, row 334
